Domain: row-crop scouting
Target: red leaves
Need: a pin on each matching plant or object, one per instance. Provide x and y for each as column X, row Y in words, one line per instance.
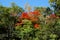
column 36, row 13
column 36, row 26
column 25, row 15
column 32, row 16
column 53, row 16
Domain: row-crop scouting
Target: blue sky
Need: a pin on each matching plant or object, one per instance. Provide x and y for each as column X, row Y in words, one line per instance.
column 21, row 3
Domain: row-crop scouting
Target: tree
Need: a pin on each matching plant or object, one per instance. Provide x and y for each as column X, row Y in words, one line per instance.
column 8, row 17
column 44, row 10
column 15, row 10
column 56, row 5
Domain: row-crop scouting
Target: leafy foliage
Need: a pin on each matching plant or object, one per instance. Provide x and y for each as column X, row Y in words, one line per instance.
column 39, row 24
column 56, row 5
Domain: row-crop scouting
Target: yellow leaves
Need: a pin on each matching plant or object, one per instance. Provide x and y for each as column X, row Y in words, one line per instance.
column 27, row 7
column 58, row 2
column 51, row 1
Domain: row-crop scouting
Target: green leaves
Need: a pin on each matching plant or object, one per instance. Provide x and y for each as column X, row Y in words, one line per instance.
column 50, row 28
column 53, row 36
column 56, row 5
column 28, row 22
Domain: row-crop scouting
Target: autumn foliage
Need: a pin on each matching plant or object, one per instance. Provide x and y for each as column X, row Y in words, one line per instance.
column 36, row 26
column 30, row 25
column 32, row 16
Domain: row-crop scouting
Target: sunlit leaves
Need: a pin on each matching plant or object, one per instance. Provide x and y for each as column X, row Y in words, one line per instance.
column 51, row 1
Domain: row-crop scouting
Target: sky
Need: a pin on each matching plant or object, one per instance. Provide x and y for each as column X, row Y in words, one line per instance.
column 21, row 3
